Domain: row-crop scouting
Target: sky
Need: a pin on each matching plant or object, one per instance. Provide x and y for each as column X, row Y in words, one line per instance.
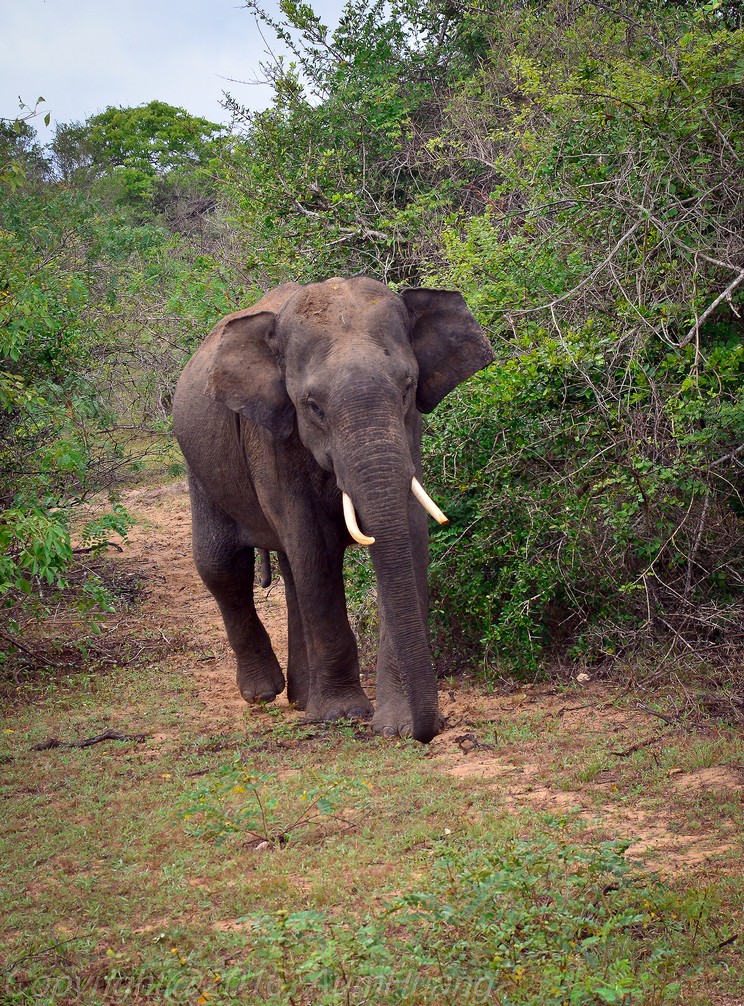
column 84, row 55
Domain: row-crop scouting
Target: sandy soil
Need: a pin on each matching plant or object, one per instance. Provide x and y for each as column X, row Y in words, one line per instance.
column 158, row 550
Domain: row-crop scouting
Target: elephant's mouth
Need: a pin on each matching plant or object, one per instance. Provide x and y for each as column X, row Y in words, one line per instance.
column 352, row 525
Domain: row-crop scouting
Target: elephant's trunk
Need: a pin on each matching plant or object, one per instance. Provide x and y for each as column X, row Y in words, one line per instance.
column 401, row 609
column 378, row 479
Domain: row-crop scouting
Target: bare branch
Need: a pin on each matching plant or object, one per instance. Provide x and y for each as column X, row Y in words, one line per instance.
column 695, row 330
column 587, row 279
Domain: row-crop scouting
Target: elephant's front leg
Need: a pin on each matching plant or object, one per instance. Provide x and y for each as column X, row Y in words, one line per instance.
column 333, row 686
column 226, row 566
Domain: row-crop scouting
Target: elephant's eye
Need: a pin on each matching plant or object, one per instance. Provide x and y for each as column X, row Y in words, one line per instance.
column 408, row 390
column 315, row 410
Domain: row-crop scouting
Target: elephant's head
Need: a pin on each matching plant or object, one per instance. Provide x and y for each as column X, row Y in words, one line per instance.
column 348, row 366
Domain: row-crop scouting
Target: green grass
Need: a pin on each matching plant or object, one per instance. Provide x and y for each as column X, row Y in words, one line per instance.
column 408, row 886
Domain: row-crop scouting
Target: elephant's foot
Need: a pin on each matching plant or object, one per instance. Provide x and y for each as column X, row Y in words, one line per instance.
column 337, row 704
column 393, row 719
column 297, row 694
column 298, row 686
column 260, row 684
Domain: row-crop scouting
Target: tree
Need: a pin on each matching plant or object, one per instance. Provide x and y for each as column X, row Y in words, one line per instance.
column 20, row 154
column 140, row 152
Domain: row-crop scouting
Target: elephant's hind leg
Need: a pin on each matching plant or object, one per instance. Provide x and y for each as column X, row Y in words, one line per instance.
column 227, row 568
column 298, row 667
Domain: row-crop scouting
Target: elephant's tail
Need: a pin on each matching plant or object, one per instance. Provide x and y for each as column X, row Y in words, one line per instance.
column 265, row 567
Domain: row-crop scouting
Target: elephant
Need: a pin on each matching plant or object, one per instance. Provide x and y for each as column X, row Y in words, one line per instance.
column 300, row 422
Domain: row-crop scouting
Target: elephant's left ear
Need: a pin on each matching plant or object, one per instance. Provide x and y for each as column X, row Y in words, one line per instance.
column 244, row 374
column 449, row 344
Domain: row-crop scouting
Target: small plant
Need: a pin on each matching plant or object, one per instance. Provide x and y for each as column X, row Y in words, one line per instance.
column 262, row 808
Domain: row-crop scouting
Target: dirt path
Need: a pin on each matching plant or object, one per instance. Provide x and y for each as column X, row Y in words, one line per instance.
column 159, row 549
column 568, row 750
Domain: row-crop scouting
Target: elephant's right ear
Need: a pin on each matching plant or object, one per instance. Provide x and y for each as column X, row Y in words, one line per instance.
column 245, row 376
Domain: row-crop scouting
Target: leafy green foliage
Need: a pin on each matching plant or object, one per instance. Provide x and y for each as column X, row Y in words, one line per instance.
column 319, row 182
column 98, row 312
column 600, row 485
column 53, row 451
column 20, row 155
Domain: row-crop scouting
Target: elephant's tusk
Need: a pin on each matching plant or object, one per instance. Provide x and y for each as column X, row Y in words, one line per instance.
column 427, row 502
column 351, row 523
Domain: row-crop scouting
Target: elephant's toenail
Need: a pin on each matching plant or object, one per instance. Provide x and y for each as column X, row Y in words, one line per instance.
column 359, row 713
column 389, row 732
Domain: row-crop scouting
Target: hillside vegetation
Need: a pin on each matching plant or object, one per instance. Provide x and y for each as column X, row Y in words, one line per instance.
column 574, row 170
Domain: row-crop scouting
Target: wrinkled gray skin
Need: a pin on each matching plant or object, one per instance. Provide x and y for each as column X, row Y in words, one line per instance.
column 312, row 391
